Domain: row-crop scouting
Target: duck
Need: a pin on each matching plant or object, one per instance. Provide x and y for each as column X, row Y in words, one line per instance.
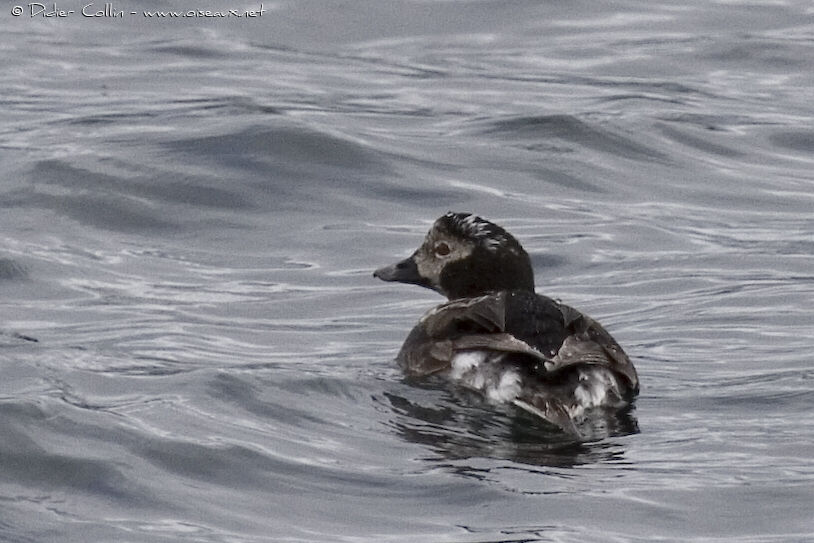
column 497, row 336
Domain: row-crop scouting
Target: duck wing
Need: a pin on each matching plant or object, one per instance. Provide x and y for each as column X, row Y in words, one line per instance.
column 553, row 341
column 587, row 343
column 467, row 323
column 484, row 314
column 516, row 322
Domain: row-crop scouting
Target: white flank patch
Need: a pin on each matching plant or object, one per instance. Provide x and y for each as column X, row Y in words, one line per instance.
column 593, row 388
column 497, row 383
column 507, row 389
column 463, row 363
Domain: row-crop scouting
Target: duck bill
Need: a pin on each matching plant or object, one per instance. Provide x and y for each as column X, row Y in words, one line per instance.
column 405, row 271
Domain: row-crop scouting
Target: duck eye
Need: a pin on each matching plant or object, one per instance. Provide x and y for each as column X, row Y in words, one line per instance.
column 442, row 248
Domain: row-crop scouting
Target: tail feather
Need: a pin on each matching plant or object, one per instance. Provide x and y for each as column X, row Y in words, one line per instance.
column 550, row 411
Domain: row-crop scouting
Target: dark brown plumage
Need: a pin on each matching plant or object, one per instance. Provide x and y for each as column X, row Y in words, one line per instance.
column 497, row 336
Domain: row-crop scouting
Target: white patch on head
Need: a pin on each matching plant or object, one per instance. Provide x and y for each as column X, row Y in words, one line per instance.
column 475, row 225
column 431, row 265
column 481, row 230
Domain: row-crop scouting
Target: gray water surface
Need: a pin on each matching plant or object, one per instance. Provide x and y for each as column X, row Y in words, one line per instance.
column 191, row 209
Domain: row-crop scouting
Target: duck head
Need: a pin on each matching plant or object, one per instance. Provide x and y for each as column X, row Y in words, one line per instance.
column 463, row 256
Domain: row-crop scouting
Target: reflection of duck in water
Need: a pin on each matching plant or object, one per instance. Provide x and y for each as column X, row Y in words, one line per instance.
column 456, row 426
column 497, row 336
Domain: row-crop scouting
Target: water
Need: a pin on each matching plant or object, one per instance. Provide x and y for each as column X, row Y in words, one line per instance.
column 191, row 210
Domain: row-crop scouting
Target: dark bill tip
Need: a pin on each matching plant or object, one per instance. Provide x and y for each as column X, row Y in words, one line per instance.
column 403, row 272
